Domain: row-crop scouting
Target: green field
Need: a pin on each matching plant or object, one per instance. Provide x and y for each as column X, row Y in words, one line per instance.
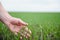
column 44, row 26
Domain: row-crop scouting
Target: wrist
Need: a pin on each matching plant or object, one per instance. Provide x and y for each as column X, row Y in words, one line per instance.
column 5, row 17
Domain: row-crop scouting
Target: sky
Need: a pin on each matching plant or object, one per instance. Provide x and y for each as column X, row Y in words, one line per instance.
column 32, row 5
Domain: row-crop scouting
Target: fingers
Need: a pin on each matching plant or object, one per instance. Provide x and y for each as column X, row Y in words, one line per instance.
column 25, row 33
column 21, row 38
column 18, row 22
column 22, row 23
column 27, row 30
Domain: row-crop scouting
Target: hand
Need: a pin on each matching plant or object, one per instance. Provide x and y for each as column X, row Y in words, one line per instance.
column 16, row 25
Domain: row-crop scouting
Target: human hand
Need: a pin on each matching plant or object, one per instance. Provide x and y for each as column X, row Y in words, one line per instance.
column 16, row 25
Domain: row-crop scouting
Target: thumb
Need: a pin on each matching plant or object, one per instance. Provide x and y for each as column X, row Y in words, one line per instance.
column 22, row 23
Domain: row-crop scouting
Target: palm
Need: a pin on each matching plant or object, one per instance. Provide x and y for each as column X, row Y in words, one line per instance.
column 15, row 25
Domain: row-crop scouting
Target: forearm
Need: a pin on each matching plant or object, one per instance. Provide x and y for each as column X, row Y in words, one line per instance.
column 3, row 13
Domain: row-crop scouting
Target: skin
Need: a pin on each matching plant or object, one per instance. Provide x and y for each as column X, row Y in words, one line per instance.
column 14, row 24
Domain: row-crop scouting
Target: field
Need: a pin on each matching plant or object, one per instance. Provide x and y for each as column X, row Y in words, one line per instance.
column 44, row 26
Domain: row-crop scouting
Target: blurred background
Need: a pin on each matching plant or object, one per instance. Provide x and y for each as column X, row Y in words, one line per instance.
column 43, row 17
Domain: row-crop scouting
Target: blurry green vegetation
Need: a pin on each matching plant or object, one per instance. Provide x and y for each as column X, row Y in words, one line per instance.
column 44, row 26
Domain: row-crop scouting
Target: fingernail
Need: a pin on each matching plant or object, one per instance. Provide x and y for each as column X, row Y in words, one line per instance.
column 28, row 35
column 30, row 31
column 21, row 38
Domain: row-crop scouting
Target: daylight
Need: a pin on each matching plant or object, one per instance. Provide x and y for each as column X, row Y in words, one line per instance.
column 30, row 20
column 32, row 5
